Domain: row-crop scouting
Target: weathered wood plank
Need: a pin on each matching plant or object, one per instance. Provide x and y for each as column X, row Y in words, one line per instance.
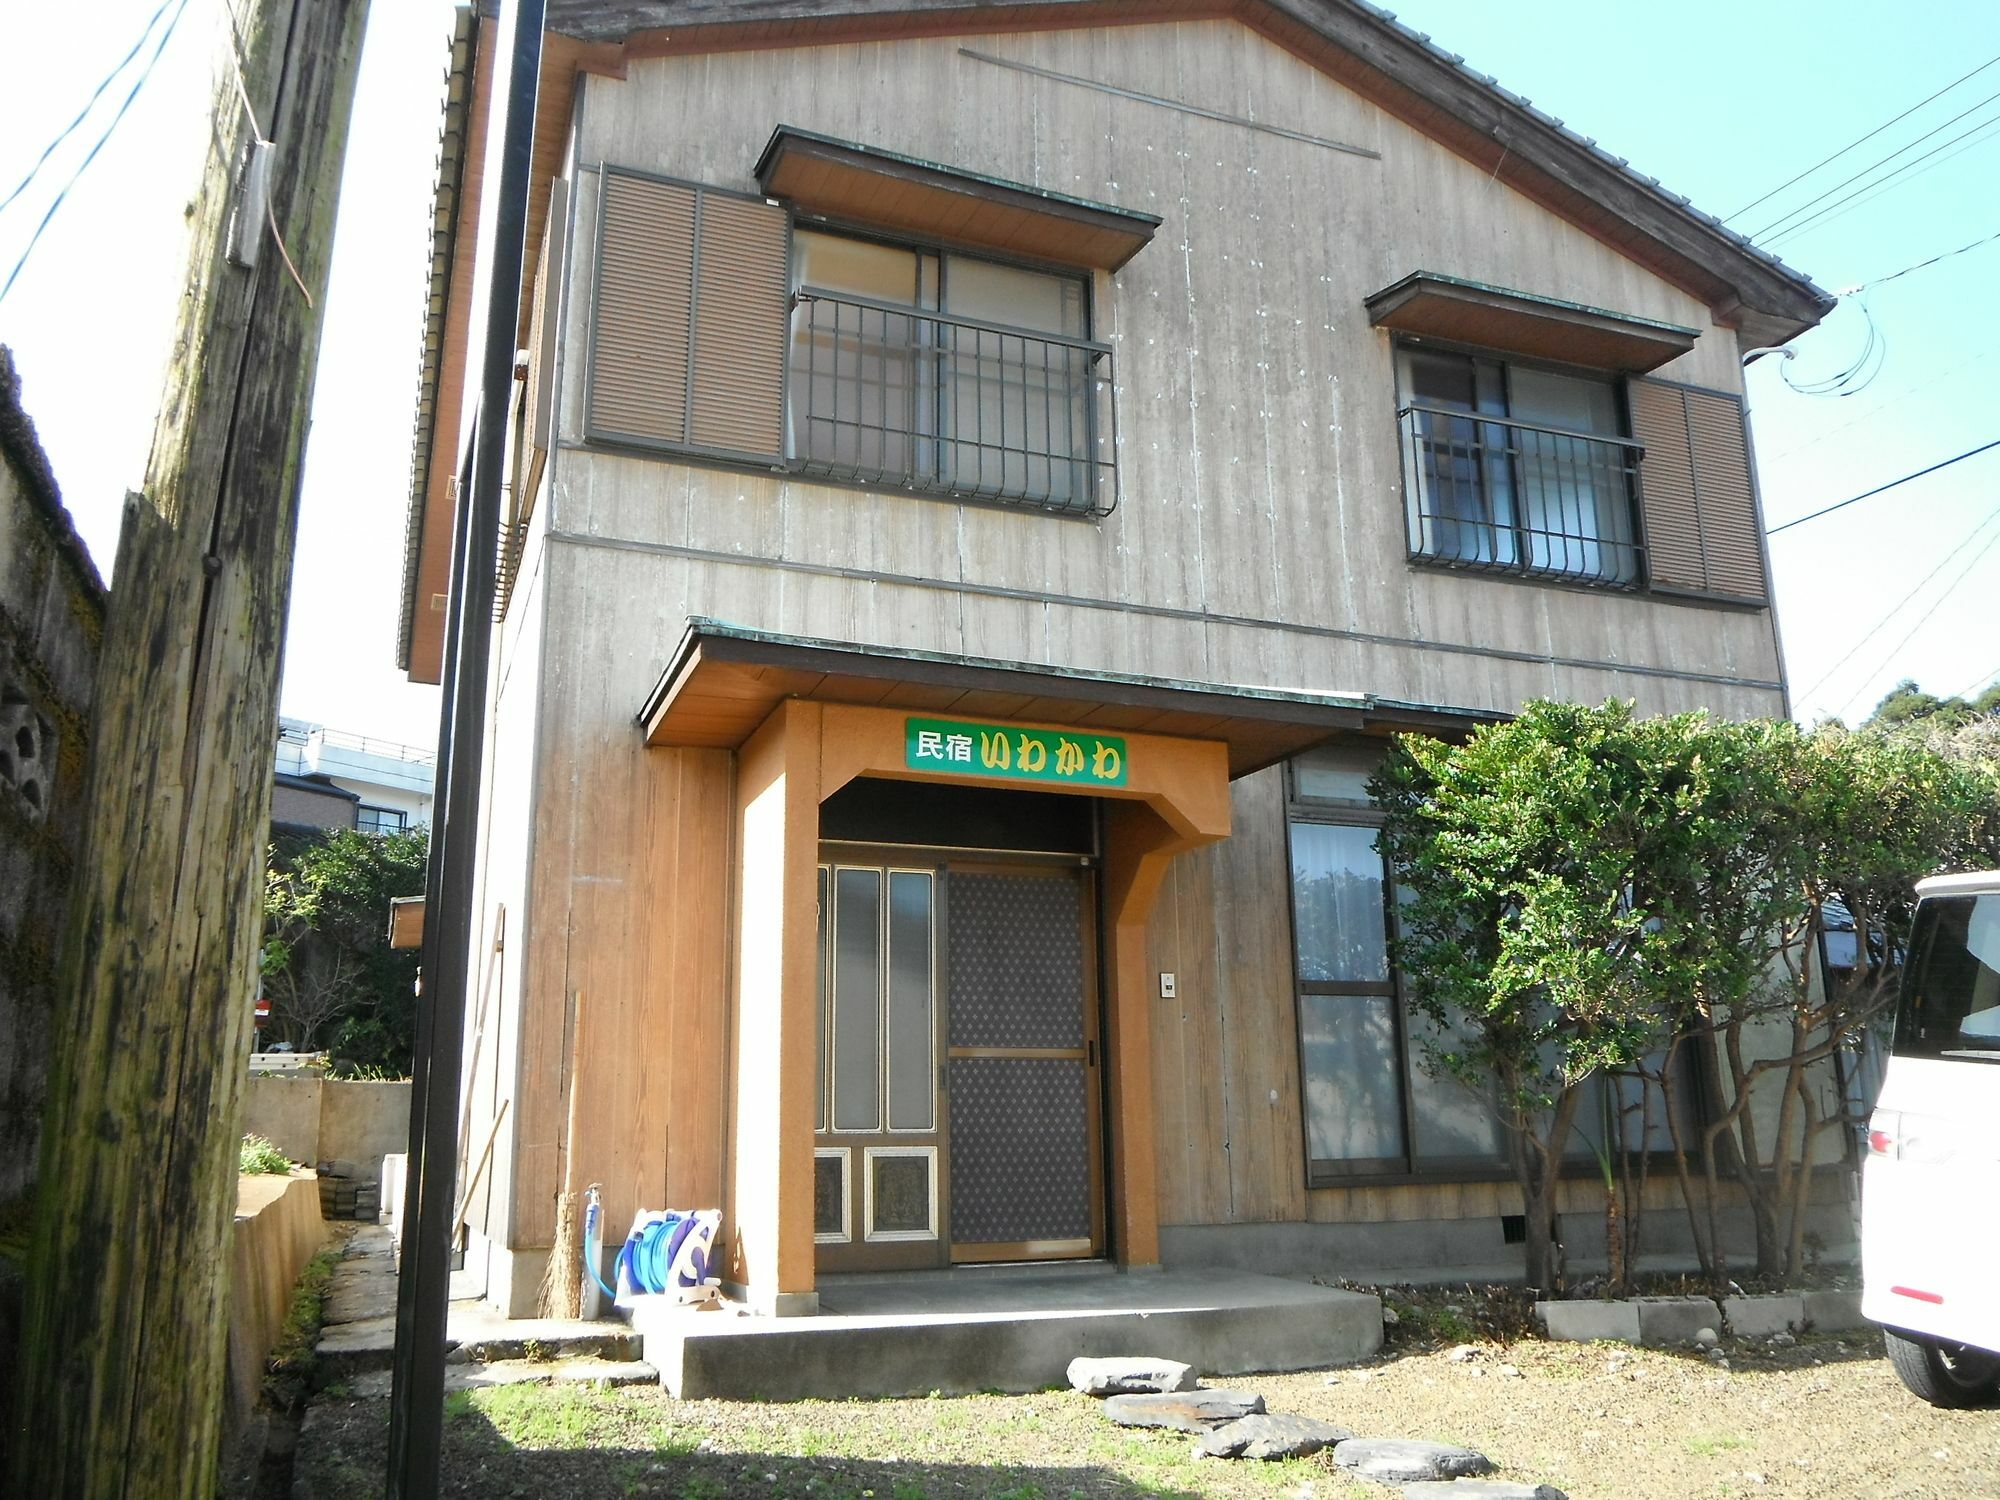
column 123, row 1350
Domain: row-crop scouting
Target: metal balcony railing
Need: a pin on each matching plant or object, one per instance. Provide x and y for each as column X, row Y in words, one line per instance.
column 881, row 394
column 1505, row 496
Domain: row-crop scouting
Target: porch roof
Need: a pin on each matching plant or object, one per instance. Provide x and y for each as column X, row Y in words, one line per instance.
column 723, row 680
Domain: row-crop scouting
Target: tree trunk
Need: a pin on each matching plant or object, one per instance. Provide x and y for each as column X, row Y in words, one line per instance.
column 123, row 1348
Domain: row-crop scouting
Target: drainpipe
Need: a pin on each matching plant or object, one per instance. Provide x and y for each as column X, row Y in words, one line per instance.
column 416, row 1409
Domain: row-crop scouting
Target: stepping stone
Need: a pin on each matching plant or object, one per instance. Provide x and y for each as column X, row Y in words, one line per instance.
column 1407, row 1460
column 1116, row 1377
column 1481, row 1489
column 1266, row 1436
column 1184, row 1411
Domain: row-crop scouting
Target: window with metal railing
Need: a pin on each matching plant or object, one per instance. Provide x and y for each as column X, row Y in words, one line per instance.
column 368, row 819
column 949, row 375
column 1514, row 469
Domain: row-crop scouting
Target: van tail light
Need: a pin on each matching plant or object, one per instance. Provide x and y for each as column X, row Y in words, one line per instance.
column 1884, row 1134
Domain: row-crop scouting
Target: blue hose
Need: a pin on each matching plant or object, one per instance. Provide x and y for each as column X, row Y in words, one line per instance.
column 649, row 1254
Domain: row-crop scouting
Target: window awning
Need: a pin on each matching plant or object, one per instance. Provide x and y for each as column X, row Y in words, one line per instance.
column 866, row 185
column 1469, row 312
column 722, row 681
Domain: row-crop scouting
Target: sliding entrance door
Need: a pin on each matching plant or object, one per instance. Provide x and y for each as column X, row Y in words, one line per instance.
column 1022, row 1067
column 958, row 1115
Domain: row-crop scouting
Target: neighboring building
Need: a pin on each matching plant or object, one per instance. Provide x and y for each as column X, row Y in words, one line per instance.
column 324, row 778
column 52, row 606
column 987, row 479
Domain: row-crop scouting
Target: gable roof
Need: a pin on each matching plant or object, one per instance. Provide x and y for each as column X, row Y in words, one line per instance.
column 1366, row 48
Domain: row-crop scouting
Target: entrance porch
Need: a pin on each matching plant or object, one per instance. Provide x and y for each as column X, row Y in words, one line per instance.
column 1005, row 1328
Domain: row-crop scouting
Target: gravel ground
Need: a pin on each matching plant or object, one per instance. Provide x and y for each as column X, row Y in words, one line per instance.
column 1821, row 1417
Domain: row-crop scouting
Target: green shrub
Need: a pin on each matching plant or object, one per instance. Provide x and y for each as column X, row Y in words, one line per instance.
column 261, row 1158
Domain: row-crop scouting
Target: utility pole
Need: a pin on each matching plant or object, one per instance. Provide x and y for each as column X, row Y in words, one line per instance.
column 121, row 1383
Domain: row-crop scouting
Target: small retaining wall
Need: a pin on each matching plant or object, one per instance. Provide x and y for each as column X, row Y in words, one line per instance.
column 278, row 1229
column 315, row 1119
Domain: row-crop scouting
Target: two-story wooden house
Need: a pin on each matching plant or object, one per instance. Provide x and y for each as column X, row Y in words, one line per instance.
column 988, row 478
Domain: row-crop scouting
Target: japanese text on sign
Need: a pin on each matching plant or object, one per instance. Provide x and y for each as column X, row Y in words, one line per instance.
column 1072, row 757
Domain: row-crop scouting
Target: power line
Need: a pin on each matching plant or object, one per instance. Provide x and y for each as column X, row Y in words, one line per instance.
column 82, row 114
column 138, row 83
column 1866, row 494
column 1880, row 407
column 1881, row 161
column 1850, row 381
column 1862, row 139
column 1920, row 265
column 1893, row 181
column 1863, row 197
column 1875, row 629
column 1878, row 162
column 1922, row 619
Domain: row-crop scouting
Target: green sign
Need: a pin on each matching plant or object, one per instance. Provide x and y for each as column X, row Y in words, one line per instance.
column 1068, row 758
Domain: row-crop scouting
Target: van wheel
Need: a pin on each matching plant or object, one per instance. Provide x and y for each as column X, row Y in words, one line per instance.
column 1943, row 1374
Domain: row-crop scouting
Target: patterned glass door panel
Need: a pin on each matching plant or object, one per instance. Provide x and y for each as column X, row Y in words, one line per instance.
column 877, row 1134
column 1023, row 1079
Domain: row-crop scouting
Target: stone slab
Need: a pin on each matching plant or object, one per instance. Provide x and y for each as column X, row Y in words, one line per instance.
column 1123, row 1377
column 1406, row 1460
column 1268, row 1436
column 1753, row 1317
column 1581, row 1322
column 1480, row 1489
column 1184, row 1411
column 1676, row 1320
column 1834, row 1312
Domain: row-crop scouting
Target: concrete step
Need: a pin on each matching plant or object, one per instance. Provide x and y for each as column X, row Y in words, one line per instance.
column 375, row 1384
column 358, row 1332
column 909, row 1336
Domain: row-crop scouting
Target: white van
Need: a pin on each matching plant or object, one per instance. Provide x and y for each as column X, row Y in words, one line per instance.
column 1930, row 1185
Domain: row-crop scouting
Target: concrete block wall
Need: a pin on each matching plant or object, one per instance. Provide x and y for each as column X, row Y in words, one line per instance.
column 346, row 1127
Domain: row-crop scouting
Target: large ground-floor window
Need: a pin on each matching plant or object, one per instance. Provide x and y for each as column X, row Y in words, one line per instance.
column 1375, row 1106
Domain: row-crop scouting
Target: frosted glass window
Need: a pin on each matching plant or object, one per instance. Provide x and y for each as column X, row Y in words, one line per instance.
column 1353, row 1098
column 1337, row 889
column 823, row 915
column 912, row 1053
column 1336, row 773
column 1451, row 1119
column 857, row 981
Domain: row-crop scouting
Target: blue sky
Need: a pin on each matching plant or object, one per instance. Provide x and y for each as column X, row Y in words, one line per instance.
column 1720, row 101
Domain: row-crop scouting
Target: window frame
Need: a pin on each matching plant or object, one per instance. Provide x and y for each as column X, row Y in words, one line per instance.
column 941, row 249
column 1519, row 571
column 363, row 809
column 1412, row 1169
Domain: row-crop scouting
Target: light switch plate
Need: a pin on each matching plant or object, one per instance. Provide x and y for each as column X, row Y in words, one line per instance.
column 1167, row 986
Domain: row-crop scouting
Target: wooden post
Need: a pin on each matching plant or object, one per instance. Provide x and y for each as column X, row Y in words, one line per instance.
column 122, row 1379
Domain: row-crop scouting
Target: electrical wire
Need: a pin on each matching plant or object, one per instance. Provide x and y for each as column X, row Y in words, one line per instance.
column 1873, row 630
column 1870, row 191
column 1860, row 140
column 1881, row 406
column 1867, row 494
column 84, row 113
column 1920, row 265
column 1922, row 620
column 1858, row 376
column 1879, row 162
column 63, row 195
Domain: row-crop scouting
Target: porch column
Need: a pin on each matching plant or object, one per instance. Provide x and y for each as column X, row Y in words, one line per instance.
column 1138, row 846
column 773, row 1053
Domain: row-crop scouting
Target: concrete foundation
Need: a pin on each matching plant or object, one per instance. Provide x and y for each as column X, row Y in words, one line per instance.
column 1006, row 1328
column 1440, row 1250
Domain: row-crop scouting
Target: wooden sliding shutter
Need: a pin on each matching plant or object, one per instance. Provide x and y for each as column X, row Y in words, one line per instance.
column 689, row 331
column 1702, row 534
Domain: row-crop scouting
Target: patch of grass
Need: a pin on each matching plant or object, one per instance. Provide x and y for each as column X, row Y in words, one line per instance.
column 1707, row 1445
column 259, row 1158
column 288, row 1373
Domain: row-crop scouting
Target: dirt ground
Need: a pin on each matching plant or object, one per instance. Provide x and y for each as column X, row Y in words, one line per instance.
column 1821, row 1417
